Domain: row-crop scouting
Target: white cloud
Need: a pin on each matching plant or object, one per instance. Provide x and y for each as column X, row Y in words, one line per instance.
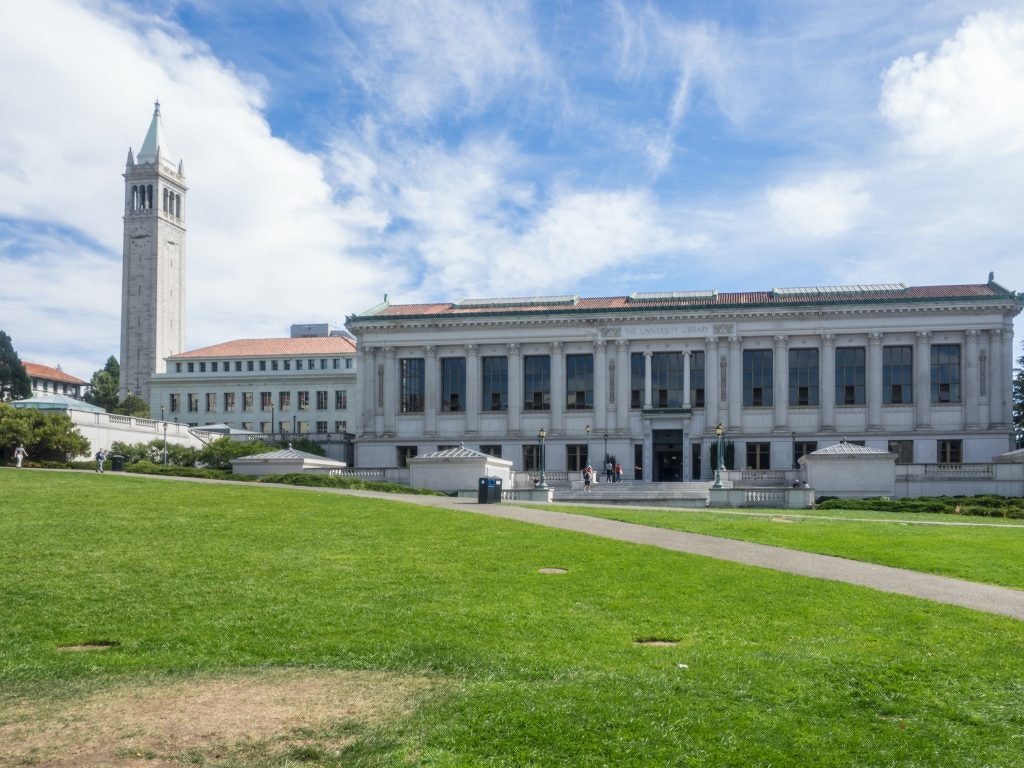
column 425, row 56
column 825, row 207
column 966, row 98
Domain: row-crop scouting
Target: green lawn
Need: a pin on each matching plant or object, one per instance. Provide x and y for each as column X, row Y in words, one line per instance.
column 989, row 550
column 531, row 669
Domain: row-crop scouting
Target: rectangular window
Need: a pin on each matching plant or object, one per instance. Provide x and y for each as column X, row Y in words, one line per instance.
column 193, row 402
column 898, row 376
column 323, row 363
column 247, row 401
column 759, row 455
column 191, row 367
column 321, row 400
column 757, row 378
column 335, row 363
column 284, row 400
column 273, row 365
column 238, row 365
column 945, row 373
column 803, row 377
column 267, row 427
column 579, row 382
column 405, row 452
column 667, row 379
column 801, row 449
column 636, row 380
column 303, row 427
column 850, row 375
column 951, row 451
column 531, row 458
column 247, row 425
column 412, row 374
column 213, row 367
column 298, row 365
column 491, row 450
column 312, row 363
column 321, row 427
column 266, row 400
column 494, row 374
column 303, row 400
column 576, row 457
column 348, row 362
column 177, row 367
column 249, row 365
column 697, row 380
column 341, row 426
column 263, row 365
column 340, row 399
column 229, row 401
column 202, row 367
column 904, row 450
column 453, row 384
column 536, row 382
column 175, row 403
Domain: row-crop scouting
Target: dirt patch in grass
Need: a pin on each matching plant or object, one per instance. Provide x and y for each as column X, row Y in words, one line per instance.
column 203, row 720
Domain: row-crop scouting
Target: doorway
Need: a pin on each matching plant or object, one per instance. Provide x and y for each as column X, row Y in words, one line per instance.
column 668, row 455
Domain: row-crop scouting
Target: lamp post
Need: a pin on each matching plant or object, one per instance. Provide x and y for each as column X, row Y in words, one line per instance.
column 588, row 444
column 796, row 464
column 128, row 402
column 165, row 433
column 719, row 433
column 605, row 447
column 540, row 451
column 272, row 424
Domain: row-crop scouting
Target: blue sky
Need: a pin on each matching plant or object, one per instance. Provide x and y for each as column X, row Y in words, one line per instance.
column 437, row 150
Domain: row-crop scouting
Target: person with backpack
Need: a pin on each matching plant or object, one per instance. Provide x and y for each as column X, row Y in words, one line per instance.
column 588, row 478
column 101, row 456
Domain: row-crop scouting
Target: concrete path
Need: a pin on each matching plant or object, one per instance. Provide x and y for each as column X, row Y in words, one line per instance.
column 940, row 589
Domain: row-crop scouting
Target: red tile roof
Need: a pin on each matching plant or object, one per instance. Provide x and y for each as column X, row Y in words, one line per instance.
column 286, row 347
column 39, row 371
column 829, row 295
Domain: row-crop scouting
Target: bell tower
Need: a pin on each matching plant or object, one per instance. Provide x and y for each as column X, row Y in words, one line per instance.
column 153, row 262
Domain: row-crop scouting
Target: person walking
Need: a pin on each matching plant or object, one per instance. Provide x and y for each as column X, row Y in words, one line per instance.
column 609, row 471
column 618, row 473
column 101, row 456
column 588, row 478
column 20, row 454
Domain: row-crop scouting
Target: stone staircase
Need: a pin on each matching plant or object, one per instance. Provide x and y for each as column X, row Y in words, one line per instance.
column 638, row 493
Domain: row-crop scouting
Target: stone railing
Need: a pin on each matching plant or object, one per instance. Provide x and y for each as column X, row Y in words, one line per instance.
column 762, row 477
column 943, row 471
column 524, row 480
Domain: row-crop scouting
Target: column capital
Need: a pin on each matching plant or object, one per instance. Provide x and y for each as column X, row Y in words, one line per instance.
column 600, row 344
column 875, row 338
column 712, row 342
column 390, row 352
column 735, row 342
column 781, row 341
column 472, row 349
column 648, row 354
column 513, row 349
column 971, row 334
column 828, row 339
column 923, row 336
column 622, row 344
column 556, row 347
column 430, row 350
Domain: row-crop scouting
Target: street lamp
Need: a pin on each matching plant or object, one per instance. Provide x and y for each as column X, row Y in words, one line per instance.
column 719, row 432
column 540, row 442
column 588, row 444
column 796, row 464
column 605, row 447
column 165, row 432
column 128, row 402
column 272, row 424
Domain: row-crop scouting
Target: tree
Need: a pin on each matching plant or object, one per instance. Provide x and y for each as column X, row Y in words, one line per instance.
column 1018, row 402
column 218, row 453
column 133, row 405
column 103, row 387
column 14, row 381
column 46, row 435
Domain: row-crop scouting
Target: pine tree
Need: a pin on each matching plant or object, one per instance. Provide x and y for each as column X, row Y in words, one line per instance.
column 14, row 381
column 104, row 385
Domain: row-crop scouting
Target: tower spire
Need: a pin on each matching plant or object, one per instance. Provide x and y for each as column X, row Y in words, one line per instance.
column 154, row 140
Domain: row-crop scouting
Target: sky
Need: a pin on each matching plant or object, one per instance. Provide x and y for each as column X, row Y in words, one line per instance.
column 434, row 150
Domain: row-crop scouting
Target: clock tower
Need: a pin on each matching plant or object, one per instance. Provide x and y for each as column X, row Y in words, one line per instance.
column 153, row 266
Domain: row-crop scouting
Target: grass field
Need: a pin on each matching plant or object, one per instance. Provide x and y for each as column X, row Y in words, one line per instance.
column 319, row 629
column 988, row 550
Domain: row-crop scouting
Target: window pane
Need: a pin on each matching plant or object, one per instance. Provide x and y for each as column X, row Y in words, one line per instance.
column 494, row 374
column 411, row 382
column 636, row 380
column 757, row 377
column 453, row 384
column 803, row 377
column 897, row 375
column 850, row 376
column 667, row 379
column 579, row 382
column 945, row 377
column 536, row 383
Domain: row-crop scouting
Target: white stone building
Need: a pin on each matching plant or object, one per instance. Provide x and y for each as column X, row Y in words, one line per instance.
column 278, row 387
column 923, row 372
column 46, row 379
column 153, row 262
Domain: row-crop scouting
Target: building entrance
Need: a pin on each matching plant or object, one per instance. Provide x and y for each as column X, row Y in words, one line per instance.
column 668, row 455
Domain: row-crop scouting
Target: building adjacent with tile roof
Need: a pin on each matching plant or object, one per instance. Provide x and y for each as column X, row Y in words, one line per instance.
column 277, row 387
column 922, row 371
column 46, row 380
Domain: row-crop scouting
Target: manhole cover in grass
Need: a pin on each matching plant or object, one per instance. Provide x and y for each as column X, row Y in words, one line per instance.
column 553, row 570
column 658, row 641
column 99, row 645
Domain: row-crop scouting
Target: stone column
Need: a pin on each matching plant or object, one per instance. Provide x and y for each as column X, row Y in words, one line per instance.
column 648, row 384
column 711, row 381
column 1006, row 380
column 874, row 374
column 623, row 372
column 972, row 379
column 780, row 383
column 364, row 374
column 827, row 392
column 600, row 386
column 922, row 381
column 557, row 388
column 686, row 380
column 472, row 389
column 984, row 381
column 735, row 379
column 390, row 390
column 431, row 393
column 515, row 389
